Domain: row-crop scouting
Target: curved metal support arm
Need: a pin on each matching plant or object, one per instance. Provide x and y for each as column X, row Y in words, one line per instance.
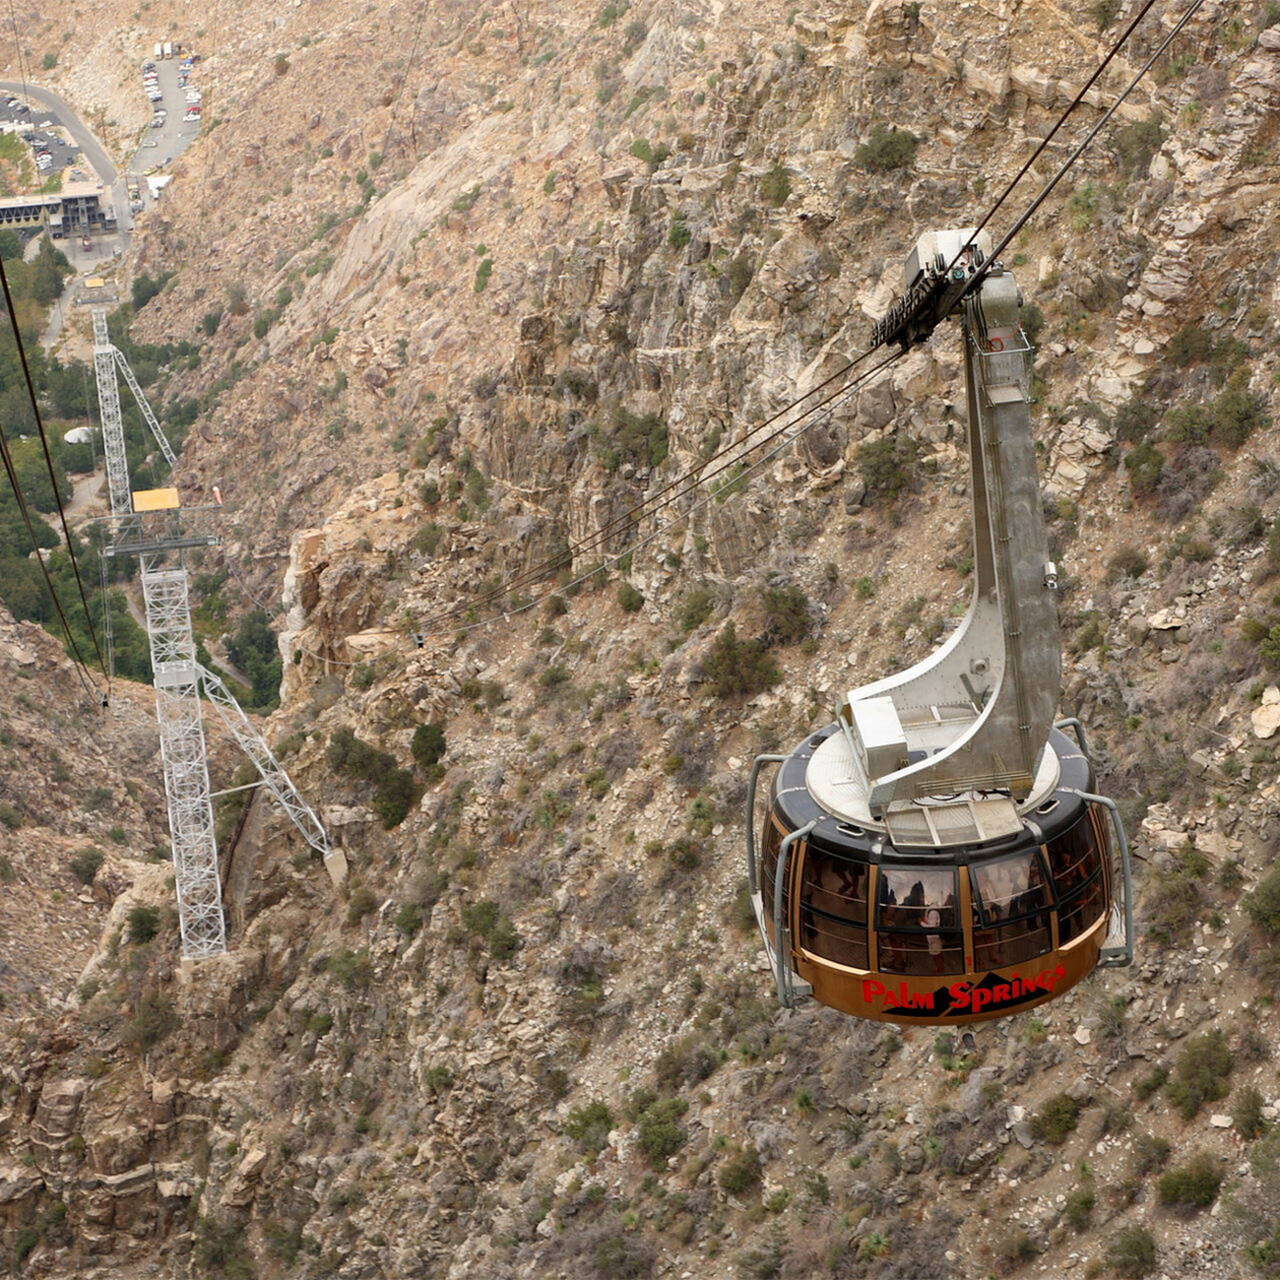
column 1072, row 723
column 781, row 936
column 753, row 869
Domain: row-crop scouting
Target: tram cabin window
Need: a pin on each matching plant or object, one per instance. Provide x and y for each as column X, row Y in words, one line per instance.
column 770, row 844
column 917, row 925
column 1075, row 859
column 1010, row 911
column 833, row 908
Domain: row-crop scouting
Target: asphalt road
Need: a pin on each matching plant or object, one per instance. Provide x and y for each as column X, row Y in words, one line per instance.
column 158, row 148
column 94, row 151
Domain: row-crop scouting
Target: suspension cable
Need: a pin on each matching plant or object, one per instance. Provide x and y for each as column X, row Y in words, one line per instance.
column 702, row 503
column 1086, row 140
column 639, row 511
column 48, row 462
column 668, row 494
column 680, row 486
column 1048, row 137
column 11, row 472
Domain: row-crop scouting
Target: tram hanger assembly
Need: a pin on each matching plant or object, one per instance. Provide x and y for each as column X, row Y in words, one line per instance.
column 937, row 854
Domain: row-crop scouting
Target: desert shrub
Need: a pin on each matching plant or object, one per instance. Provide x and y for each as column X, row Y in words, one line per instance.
column 142, row 923
column 1128, row 562
column 1014, row 1247
column 484, row 920
column 1150, row 1152
column 393, row 796
column 687, row 1061
column 738, row 668
column 1144, row 465
column 1104, row 12
column 1149, row 1083
column 1176, row 899
column 361, row 903
column 761, row 1262
column 1032, row 321
column 680, row 232
column 738, row 275
column 427, row 745
column 1056, row 1118
column 695, row 608
column 740, row 1171
column 1237, row 413
column 1263, row 904
column 1244, row 524
column 85, row 865
column 1080, row 1202
column 1200, row 1073
column 640, row 439
column 630, row 598
column 1187, row 479
column 1265, row 1254
column 154, row 1018
column 394, row 788
column 887, row 466
column 589, row 1126
column 658, row 1135
column 1192, row 344
column 145, row 287
column 1131, row 1253
column 428, row 538
column 24, row 1244
column 221, row 1248
column 1134, row 420
column 887, row 149
column 353, row 969
column 653, row 156
column 408, row 919
column 775, row 186
column 623, row 1255
column 1246, row 1112
column 1135, row 144
column 1193, row 1185
column 1227, row 421
column 786, row 615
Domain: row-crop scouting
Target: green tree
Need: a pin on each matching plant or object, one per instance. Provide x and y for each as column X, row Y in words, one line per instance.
column 428, row 744
column 255, row 651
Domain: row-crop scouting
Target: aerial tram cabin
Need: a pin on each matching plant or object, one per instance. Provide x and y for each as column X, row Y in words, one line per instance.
column 938, row 854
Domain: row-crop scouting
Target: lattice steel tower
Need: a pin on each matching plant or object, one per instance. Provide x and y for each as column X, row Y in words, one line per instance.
column 148, row 524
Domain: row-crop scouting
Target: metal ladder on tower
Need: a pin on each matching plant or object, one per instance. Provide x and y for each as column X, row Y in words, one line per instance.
column 180, row 679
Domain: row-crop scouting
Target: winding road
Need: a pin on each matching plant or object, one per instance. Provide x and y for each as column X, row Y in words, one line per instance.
column 94, row 151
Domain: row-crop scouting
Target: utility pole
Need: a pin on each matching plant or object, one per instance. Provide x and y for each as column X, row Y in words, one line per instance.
column 149, row 524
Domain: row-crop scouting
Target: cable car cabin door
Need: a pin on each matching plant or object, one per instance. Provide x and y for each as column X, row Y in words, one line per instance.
column 781, row 866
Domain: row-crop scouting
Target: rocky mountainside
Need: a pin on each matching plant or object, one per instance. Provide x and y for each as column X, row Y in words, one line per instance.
column 470, row 282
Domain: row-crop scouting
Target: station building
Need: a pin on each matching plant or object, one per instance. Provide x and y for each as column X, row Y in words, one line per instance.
column 80, row 207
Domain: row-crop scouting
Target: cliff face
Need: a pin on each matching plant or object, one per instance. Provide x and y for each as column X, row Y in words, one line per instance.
column 470, row 282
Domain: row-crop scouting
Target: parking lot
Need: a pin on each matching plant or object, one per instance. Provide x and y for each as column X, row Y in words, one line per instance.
column 161, row 146
column 54, row 150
